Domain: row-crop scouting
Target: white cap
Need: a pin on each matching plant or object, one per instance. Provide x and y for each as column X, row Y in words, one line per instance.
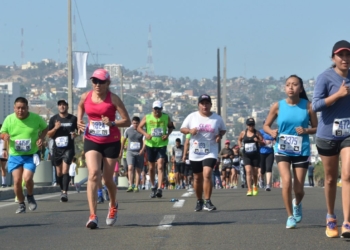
column 157, row 104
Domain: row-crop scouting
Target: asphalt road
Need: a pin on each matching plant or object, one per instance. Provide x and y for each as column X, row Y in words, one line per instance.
column 239, row 223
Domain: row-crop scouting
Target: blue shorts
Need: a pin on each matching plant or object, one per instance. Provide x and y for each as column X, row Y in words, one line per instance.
column 25, row 161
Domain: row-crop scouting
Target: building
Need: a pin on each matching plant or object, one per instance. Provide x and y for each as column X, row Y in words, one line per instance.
column 113, row 69
column 9, row 91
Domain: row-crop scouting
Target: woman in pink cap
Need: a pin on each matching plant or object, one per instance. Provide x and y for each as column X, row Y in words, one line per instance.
column 101, row 140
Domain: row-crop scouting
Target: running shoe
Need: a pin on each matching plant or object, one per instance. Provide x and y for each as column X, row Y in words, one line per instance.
column 64, row 197
column 297, row 211
column 77, row 187
column 143, row 187
column 153, row 192
column 209, row 206
column 345, row 231
column 199, row 206
column 291, row 223
column 255, row 191
column 112, row 215
column 130, row 189
column 159, row 193
column 268, row 188
column 136, row 190
column 249, row 193
column 106, row 194
column 92, row 222
column 16, row 199
column 21, row 208
column 31, row 202
column 3, row 186
column 100, row 199
column 332, row 229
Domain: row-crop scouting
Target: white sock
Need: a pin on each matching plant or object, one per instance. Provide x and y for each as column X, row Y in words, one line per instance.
column 3, row 179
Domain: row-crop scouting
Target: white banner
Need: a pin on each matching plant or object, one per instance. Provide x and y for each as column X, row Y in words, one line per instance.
column 79, row 69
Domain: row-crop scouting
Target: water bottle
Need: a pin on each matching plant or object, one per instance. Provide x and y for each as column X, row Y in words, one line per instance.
column 173, row 200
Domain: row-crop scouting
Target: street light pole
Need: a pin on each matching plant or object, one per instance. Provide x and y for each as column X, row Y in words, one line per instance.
column 120, row 74
column 69, row 64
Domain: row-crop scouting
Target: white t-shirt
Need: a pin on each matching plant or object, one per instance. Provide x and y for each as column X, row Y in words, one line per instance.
column 1, row 147
column 72, row 168
column 203, row 144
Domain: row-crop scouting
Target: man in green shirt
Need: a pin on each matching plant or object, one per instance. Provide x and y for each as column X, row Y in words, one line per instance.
column 25, row 131
column 158, row 128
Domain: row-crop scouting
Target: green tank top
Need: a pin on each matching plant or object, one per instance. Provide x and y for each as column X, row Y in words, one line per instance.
column 157, row 127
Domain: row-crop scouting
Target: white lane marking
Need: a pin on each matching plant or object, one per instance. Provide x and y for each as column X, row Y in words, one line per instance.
column 187, row 194
column 40, row 197
column 179, row 203
column 166, row 222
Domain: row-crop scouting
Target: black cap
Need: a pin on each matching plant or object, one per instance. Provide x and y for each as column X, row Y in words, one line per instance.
column 64, row 101
column 203, row 98
column 250, row 121
column 341, row 45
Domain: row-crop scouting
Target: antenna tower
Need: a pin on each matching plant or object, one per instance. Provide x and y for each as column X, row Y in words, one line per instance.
column 22, row 44
column 150, row 66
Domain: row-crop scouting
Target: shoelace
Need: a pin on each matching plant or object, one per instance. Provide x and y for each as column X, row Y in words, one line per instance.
column 92, row 217
column 332, row 224
column 347, row 226
column 297, row 210
column 112, row 212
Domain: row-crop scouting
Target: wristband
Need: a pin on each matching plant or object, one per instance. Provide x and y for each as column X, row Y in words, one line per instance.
column 113, row 124
column 4, row 149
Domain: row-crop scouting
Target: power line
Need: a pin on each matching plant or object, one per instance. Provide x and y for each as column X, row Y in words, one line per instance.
column 81, row 23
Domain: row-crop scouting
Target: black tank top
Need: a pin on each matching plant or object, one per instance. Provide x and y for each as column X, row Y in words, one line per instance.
column 250, row 146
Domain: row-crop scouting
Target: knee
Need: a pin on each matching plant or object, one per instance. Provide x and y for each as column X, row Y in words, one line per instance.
column 94, row 176
column 345, row 177
column 330, row 180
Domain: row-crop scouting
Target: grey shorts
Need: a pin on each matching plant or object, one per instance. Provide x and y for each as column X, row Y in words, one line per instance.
column 134, row 159
column 327, row 147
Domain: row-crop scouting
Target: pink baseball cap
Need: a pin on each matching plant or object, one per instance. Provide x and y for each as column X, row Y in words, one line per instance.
column 227, row 142
column 101, row 74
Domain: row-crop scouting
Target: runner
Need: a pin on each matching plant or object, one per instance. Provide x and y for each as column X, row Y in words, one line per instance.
column 101, row 141
column 144, row 171
column 158, row 128
column 134, row 155
column 235, row 171
column 62, row 129
column 249, row 140
column 331, row 98
column 3, row 159
column 292, row 146
column 206, row 129
column 177, row 159
column 266, row 160
column 21, row 130
column 226, row 154
column 188, row 174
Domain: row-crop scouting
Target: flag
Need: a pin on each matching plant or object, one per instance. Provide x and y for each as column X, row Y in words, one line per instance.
column 79, row 69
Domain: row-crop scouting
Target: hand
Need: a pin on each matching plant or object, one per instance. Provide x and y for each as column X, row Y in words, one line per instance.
column 5, row 137
column 343, row 90
column 81, row 126
column 73, row 135
column 256, row 139
column 105, row 120
column 274, row 133
column 39, row 142
column 141, row 151
column 217, row 138
column 164, row 137
column 193, row 131
column 300, row 130
column 57, row 125
column 4, row 154
column 184, row 158
column 148, row 136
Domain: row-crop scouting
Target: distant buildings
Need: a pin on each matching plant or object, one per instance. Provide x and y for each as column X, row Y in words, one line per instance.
column 113, row 69
column 9, row 91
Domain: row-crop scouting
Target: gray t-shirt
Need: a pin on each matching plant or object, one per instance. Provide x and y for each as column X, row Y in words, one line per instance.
column 135, row 139
column 178, row 153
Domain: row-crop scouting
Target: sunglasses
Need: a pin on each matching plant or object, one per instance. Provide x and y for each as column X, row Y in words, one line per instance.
column 98, row 81
column 157, row 108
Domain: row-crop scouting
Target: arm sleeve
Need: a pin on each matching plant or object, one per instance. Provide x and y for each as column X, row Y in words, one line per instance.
column 320, row 93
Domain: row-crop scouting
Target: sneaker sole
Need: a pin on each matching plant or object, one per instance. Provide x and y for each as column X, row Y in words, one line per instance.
column 32, row 209
column 345, row 235
column 159, row 195
column 336, row 236
column 22, row 212
column 293, row 227
column 111, row 223
column 198, row 210
column 208, row 209
column 92, row 225
column 64, row 199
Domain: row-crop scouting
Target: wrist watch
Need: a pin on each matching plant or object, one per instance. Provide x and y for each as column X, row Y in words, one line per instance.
column 113, row 124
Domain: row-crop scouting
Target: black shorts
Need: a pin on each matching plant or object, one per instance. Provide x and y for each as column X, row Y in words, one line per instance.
column 296, row 161
column 145, row 169
column 63, row 154
column 327, row 147
column 252, row 160
column 179, row 167
column 3, row 159
column 197, row 166
column 154, row 154
column 226, row 167
column 107, row 150
column 188, row 170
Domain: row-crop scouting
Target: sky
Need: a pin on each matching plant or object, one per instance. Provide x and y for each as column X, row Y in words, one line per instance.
column 263, row 38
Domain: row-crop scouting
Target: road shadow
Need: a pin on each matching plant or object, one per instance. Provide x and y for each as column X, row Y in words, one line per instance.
column 249, row 210
column 202, row 223
column 24, row 225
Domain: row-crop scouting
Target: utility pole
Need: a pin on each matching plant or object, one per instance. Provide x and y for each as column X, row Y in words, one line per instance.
column 218, row 102
column 224, row 90
column 69, row 64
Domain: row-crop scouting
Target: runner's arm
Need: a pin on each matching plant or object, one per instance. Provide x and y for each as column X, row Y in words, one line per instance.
column 81, row 111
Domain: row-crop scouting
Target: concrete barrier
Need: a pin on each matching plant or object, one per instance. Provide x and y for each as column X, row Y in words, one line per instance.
column 43, row 174
column 81, row 175
column 123, row 181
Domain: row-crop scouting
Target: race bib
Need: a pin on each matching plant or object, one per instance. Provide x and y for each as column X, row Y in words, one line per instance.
column 98, row 128
column 201, row 147
column 290, row 144
column 341, row 127
column 268, row 144
column 61, row 141
column 23, row 145
column 234, row 160
column 226, row 161
column 135, row 145
column 250, row 147
column 157, row 132
column 178, row 153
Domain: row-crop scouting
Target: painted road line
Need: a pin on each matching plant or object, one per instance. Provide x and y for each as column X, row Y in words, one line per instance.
column 166, row 222
column 188, row 194
column 179, row 204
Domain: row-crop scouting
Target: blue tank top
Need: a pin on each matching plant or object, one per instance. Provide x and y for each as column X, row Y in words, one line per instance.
column 266, row 149
column 288, row 142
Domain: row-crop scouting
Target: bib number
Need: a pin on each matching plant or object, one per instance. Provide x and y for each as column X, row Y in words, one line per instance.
column 341, row 127
column 23, row 145
column 62, row 141
column 250, row 147
column 157, row 132
column 188, row 162
column 135, row 145
column 178, row 153
column 226, row 161
column 235, row 160
column 201, row 148
column 291, row 144
column 98, row 128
